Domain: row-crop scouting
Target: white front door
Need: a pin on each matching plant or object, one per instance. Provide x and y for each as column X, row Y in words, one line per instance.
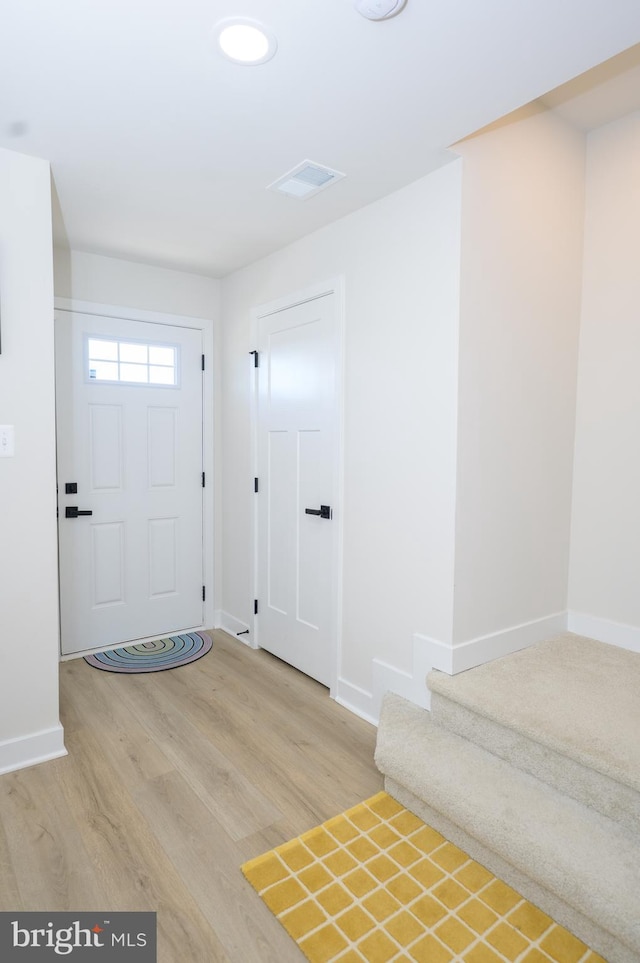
column 297, row 476
column 129, row 427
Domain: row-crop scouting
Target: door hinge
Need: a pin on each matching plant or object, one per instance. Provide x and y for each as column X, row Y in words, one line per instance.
column 255, row 484
column 203, row 479
column 256, row 362
column 255, row 606
column 203, row 362
column 204, row 594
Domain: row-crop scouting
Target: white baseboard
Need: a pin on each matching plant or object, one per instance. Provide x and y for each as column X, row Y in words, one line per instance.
column 356, row 700
column 604, row 630
column 428, row 654
column 31, row 750
column 488, row 647
column 240, row 630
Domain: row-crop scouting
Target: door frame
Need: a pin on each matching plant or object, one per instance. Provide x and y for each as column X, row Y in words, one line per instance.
column 209, row 394
column 335, row 286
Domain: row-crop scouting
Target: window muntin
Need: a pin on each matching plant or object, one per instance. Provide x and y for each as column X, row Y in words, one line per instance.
column 131, row 362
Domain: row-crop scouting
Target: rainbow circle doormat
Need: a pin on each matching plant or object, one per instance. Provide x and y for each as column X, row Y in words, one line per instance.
column 155, row 656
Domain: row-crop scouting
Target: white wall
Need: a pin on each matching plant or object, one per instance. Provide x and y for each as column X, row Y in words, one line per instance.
column 400, row 261
column 522, row 220
column 129, row 284
column 144, row 287
column 29, row 724
column 604, row 590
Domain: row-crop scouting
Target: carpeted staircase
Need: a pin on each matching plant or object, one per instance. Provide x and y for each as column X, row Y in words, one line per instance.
column 531, row 764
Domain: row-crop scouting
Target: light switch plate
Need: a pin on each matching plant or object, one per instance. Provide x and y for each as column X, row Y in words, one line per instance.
column 6, row 441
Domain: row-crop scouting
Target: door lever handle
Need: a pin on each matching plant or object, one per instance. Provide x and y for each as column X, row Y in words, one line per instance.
column 324, row 511
column 72, row 511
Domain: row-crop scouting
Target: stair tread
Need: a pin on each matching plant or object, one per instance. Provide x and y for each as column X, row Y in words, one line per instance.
column 612, row 798
column 575, row 695
column 573, row 851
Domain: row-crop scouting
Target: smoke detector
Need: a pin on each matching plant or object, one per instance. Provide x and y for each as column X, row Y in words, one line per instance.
column 379, row 9
column 305, row 180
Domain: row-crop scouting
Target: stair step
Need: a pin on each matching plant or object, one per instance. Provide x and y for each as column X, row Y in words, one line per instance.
column 614, row 799
column 584, row 861
column 573, row 695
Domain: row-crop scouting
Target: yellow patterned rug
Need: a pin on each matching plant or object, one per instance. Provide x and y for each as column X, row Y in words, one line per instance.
column 377, row 884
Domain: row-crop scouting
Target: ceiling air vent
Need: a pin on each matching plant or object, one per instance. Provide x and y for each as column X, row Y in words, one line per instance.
column 305, row 180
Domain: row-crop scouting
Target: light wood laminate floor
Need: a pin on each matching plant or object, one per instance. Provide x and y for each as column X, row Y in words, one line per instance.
column 174, row 779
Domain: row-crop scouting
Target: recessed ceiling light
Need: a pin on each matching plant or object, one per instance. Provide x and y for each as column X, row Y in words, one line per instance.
column 245, row 42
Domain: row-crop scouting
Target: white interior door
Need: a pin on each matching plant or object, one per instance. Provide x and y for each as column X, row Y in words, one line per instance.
column 129, row 427
column 297, row 470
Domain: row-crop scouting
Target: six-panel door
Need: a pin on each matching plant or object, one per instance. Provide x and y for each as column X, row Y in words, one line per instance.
column 129, row 423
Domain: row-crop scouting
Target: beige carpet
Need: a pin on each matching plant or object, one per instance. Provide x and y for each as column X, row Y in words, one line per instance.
column 573, row 694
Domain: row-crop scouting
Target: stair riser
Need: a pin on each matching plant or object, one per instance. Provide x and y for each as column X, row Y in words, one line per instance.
column 575, row 854
column 615, row 800
column 593, row 935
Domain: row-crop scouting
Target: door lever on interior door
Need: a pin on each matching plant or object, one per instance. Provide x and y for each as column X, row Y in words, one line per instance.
column 72, row 511
column 324, row 511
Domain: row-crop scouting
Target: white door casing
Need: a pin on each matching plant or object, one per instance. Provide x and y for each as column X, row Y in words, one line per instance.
column 134, row 568
column 298, row 462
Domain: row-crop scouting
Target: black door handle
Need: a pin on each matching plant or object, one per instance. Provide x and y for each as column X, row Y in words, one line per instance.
column 324, row 511
column 72, row 511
